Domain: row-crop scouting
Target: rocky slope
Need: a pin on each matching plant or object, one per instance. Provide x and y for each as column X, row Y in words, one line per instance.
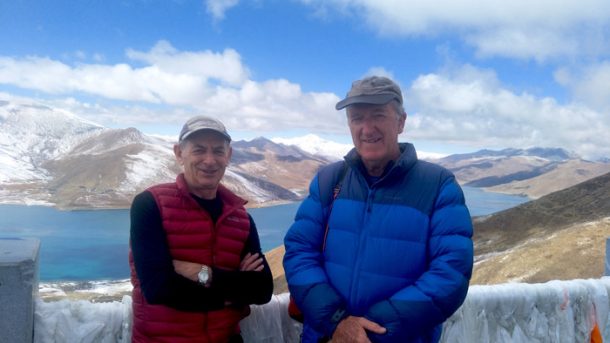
column 559, row 236
column 575, row 252
column 285, row 165
column 586, row 202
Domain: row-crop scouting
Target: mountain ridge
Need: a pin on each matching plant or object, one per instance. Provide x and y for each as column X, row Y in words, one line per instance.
column 52, row 157
column 532, row 172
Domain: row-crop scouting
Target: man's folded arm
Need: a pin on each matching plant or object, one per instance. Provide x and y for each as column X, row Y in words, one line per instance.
column 246, row 287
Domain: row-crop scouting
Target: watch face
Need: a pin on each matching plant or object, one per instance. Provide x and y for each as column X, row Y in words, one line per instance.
column 203, row 275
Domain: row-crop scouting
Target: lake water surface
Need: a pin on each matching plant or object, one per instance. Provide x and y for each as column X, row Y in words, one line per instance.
column 93, row 244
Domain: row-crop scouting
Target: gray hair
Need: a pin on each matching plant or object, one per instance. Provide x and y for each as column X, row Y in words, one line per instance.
column 400, row 110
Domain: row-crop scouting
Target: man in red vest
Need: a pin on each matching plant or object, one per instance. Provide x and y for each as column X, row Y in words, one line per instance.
column 196, row 261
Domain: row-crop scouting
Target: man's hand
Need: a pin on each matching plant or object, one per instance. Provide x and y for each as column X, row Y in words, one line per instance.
column 354, row 330
column 252, row 262
column 188, row 269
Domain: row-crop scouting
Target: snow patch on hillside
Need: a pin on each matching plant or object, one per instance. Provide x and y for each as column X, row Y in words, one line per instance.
column 255, row 193
column 150, row 166
column 317, row 146
column 32, row 134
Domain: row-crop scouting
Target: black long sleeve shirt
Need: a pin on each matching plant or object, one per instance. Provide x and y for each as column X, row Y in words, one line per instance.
column 160, row 283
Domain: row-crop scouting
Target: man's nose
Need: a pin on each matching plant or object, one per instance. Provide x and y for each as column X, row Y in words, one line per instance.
column 368, row 124
column 208, row 158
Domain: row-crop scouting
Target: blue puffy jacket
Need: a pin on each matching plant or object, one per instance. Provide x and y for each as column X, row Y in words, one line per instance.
column 398, row 252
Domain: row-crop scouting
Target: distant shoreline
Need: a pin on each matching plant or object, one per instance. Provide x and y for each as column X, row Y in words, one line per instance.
column 114, row 290
column 118, row 208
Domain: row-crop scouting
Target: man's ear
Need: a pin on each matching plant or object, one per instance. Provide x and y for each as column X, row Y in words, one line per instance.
column 401, row 123
column 178, row 153
column 230, row 153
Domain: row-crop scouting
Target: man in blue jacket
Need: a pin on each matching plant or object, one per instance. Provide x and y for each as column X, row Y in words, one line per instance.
column 381, row 249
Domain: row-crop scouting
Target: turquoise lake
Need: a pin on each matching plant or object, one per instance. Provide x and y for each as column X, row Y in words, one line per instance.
column 93, row 245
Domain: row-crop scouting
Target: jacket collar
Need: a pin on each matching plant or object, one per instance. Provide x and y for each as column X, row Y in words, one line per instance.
column 228, row 198
column 406, row 160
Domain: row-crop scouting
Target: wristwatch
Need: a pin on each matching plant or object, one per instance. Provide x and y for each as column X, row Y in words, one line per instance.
column 204, row 275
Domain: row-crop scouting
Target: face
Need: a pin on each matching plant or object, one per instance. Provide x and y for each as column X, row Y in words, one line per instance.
column 204, row 156
column 375, row 130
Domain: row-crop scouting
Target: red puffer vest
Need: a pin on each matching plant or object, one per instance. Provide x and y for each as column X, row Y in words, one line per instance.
column 193, row 237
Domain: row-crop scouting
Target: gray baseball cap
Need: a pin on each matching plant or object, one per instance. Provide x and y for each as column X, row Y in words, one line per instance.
column 199, row 123
column 376, row 90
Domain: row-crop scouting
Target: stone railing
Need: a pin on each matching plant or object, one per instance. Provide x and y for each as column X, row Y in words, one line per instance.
column 18, row 288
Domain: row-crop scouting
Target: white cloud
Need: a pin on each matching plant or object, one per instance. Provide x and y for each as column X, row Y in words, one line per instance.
column 98, row 57
column 589, row 84
column 469, row 106
column 541, row 29
column 217, row 8
column 379, row 71
column 274, row 105
column 464, row 105
column 226, row 67
column 316, row 145
column 538, row 43
column 169, row 76
column 80, row 54
column 186, row 82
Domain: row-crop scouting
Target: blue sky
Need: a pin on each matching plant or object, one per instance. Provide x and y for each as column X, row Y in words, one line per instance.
column 475, row 74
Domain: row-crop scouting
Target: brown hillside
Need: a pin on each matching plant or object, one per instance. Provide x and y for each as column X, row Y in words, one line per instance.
column 274, row 258
column 576, row 252
column 91, row 179
column 585, row 202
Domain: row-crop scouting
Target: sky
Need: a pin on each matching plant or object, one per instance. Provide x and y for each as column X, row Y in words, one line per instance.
column 474, row 74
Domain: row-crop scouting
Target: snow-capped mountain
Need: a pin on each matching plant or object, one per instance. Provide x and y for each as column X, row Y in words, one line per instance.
column 551, row 154
column 26, row 141
column 49, row 156
column 53, row 157
column 317, row 146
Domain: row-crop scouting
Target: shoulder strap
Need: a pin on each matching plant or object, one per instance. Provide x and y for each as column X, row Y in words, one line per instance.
column 336, row 189
column 328, row 179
